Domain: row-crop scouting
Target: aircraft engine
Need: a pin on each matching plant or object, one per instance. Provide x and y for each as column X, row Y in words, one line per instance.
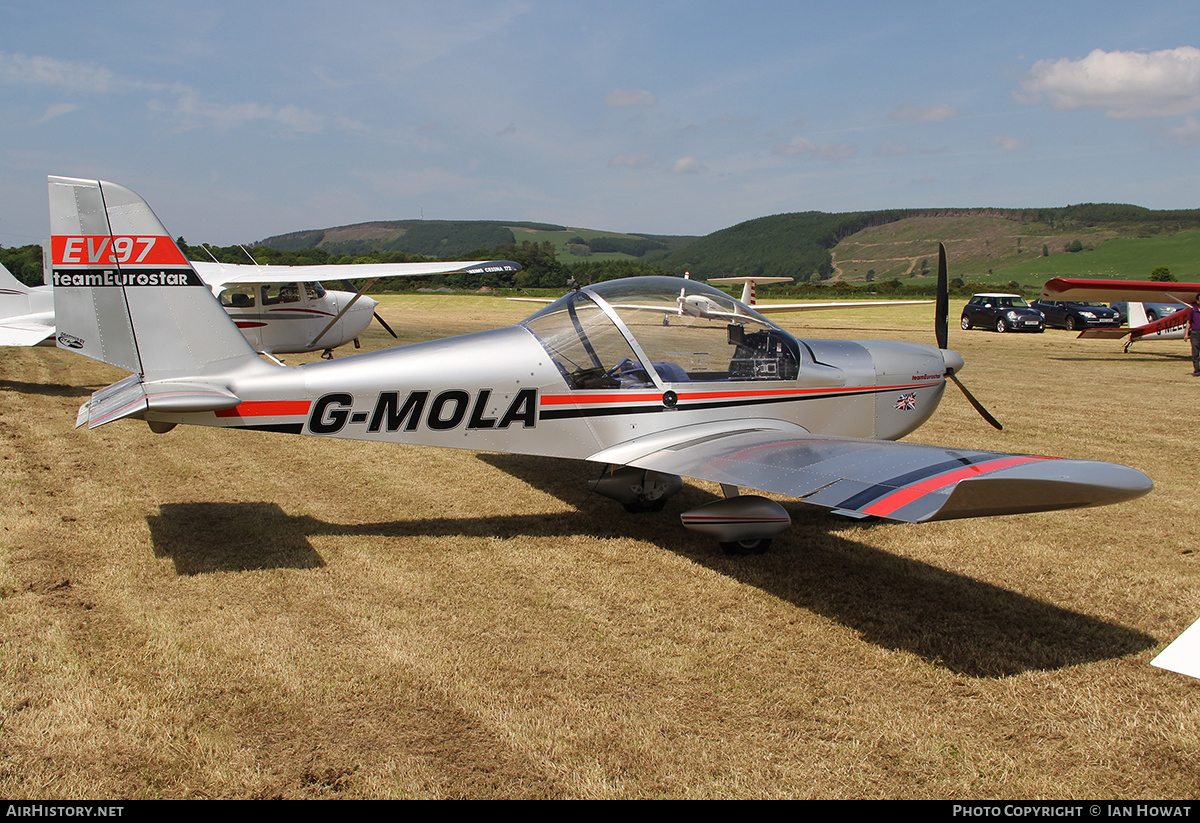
column 638, row 490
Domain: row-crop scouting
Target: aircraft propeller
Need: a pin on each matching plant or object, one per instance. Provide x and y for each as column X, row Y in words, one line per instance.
column 942, row 331
column 350, row 286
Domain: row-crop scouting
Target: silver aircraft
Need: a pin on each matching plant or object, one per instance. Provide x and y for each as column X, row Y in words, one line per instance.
column 613, row 373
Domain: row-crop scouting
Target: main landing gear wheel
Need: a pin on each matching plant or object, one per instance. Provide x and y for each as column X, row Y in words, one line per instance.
column 966, row 324
column 742, row 548
column 1001, row 326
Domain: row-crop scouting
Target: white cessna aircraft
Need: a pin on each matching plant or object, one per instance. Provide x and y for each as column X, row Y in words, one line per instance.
column 279, row 309
column 735, row 399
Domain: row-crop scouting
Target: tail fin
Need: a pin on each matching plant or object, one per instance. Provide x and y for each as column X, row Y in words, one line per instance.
column 123, row 291
column 1137, row 315
column 10, row 284
column 749, row 297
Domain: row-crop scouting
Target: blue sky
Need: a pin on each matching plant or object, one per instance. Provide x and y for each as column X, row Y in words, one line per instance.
column 237, row 121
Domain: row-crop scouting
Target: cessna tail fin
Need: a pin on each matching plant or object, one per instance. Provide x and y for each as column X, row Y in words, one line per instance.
column 749, row 294
column 123, row 291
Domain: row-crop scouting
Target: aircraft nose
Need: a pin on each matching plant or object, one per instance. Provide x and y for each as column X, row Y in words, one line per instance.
column 953, row 361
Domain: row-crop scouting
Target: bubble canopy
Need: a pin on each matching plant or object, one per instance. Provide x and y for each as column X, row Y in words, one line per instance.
column 656, row 331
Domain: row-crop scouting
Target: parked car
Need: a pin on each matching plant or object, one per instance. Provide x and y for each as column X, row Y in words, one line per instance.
column 1002, row 312
column 1154, row 311
column 1072, row 315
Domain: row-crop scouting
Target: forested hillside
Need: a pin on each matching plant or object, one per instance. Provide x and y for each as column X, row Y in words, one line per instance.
column 881, row 250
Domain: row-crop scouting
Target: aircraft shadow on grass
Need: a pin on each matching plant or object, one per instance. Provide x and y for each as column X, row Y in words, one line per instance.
column 965, row 625
column 1126, row 357
column 47, row 389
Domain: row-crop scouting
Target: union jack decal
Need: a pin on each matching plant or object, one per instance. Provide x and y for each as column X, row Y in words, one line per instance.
column 907, row 402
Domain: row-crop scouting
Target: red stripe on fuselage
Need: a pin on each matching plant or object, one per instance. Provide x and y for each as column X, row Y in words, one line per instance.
column 266, row 408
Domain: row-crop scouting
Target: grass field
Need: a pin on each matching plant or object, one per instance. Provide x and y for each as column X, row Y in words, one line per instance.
column 249, row 615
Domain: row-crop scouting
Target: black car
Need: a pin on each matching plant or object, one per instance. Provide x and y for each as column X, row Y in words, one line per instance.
column 1154, row 311
column 1072, row 315
column 1002, row 312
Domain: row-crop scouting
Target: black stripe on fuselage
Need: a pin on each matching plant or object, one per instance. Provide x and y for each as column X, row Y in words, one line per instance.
column 284, row 428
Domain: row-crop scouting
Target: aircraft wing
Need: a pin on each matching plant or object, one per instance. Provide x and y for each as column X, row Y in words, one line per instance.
column 773, row 308
column 28, row 330
column 218, row 274
column 908, row 482
column 1134, row 291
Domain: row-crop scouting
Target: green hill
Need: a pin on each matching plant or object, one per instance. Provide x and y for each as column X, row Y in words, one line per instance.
column 455, row 238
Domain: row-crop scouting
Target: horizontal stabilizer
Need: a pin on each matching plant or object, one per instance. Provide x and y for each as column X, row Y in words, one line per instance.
column 908, row 482
column 130, row 397
column 26, row 331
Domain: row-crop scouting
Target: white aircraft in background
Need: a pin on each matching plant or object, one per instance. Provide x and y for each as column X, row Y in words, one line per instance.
column 286, row 310
column 279, row 309
column 26, row 312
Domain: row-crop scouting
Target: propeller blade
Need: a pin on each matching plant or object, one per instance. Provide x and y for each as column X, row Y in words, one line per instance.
column 984, row 413
column 942, row 306
column 386, row 326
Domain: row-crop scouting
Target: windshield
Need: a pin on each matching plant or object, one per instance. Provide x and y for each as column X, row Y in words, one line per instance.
column 681, row 331
column 1012, row 302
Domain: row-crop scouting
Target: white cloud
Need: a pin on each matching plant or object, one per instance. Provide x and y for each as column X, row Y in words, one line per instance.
column 56, row 110
column 688, row 165
column 1125, row 84
column 925, row 114
column 618, row 98
column 26, row 70
column 1009, row 143
column 290, row 117
column 833, row 152
column 1186, row 133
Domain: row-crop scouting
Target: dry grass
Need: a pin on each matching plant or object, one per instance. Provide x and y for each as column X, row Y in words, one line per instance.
column 225, row 614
